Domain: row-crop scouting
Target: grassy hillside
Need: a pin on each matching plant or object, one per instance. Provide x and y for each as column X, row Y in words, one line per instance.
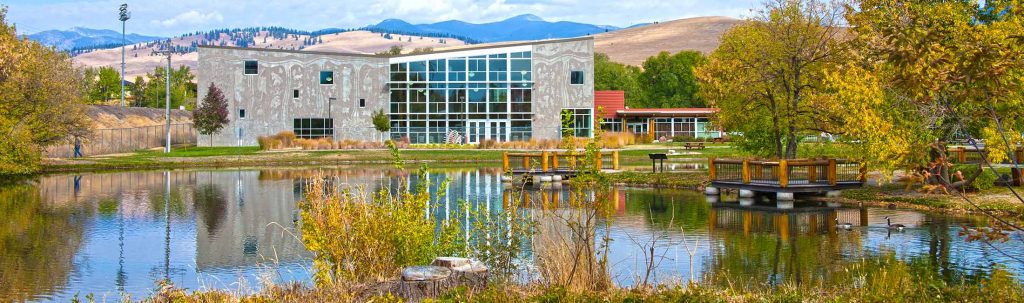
column 140, row 58
column 633, row 45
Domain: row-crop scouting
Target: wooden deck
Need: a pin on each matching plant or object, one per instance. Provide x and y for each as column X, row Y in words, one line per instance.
column 786, row 176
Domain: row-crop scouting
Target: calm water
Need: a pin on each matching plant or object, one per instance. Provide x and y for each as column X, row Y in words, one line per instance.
column 113, row 233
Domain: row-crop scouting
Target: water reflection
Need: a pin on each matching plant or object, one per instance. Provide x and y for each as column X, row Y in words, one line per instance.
column 108, row 233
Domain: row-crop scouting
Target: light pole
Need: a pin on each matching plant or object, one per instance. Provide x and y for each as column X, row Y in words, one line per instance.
column 125, row 15
column 167, row 114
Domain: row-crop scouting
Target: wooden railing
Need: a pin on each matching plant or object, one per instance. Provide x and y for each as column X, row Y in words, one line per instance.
column 785, row 173
column 545, row 162
column 963, row 155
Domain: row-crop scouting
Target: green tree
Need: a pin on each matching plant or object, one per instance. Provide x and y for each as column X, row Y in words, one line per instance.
column 381, row 121
column 395, row 50
column 211, row 116
column 669, row 81
column 767, row 77
column 610, row 75
column 183, row 91
column 107, row 87
column 40, row 100
column 138, row 91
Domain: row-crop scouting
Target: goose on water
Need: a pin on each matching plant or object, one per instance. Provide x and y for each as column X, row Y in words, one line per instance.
column 846, row 226
column 897, row 227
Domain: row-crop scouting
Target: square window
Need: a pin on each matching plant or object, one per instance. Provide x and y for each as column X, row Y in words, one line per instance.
column 295, row 93
column 362, row 102
column 241, row 113
column 326, row 77
column 251, row 67
column 576, row 77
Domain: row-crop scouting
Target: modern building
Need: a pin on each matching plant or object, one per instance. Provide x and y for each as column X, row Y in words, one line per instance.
column 504, row 92
column 657, row 123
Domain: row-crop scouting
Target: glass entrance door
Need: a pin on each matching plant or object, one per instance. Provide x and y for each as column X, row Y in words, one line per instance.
column 479, row 130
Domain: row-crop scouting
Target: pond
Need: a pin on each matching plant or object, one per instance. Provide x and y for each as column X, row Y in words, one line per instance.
column 117, row 233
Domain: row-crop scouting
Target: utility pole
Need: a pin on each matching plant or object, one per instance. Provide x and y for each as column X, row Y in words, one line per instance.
column 125, row 15
column 167, row 146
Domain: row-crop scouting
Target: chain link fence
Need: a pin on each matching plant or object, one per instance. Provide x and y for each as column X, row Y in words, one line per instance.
column 124, row 140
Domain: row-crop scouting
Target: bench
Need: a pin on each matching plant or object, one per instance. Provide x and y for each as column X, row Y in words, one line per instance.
column 693, row 145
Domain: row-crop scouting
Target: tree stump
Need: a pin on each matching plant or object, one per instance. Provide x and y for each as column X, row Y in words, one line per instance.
column 443, row 275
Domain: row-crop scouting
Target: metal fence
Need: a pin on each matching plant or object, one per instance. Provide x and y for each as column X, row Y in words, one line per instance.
column 123, row 140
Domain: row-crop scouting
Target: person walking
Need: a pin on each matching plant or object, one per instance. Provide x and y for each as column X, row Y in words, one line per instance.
column 78, row 147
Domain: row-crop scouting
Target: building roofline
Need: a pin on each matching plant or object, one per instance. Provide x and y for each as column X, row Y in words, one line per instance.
column 456, row 49
column 497, row 45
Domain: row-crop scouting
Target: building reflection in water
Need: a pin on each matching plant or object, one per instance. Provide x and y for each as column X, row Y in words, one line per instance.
column 105, row 233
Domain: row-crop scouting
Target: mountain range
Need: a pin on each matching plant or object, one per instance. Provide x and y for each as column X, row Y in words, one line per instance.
column 522, row 27
column 80, row 37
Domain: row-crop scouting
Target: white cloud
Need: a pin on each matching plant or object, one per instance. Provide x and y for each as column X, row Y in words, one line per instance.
column 191, row 17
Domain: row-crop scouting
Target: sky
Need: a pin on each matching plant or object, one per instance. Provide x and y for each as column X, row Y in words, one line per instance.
column 175, row 17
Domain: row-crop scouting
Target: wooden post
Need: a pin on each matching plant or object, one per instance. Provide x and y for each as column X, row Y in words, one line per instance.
column 711, row 169
column 544, row 161
column 863, row 173
column 526, row 161
column 650, row 128
column 1015, row 172
column 962, row 156
column 554, row 161
column 598, row 160
column 504, row 162
column 615, row 160
column 783, row 174
column 812, row 173
column 832, row 172
column 746, row 171
column 572, row 160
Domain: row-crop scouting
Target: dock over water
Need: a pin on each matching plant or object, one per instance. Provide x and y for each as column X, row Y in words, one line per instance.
column 784, row 178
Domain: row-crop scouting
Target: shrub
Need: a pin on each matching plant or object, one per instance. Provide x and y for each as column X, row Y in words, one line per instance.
column 617, row 139
column 286, row 137
column 985, row 181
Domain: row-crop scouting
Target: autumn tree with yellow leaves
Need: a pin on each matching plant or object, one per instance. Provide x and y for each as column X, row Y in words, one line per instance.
column 40, row 100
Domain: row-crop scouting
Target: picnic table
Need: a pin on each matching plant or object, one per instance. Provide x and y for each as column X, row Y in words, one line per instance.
column 693, row 145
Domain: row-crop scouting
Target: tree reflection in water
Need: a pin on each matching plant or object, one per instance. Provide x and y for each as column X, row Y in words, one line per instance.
column 37, row 242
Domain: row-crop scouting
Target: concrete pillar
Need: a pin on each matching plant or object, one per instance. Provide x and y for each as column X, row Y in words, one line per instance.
column 834, row 204
column 711, row 198
column 745, row 193
column 506, row 178
column 746, row 201
column 711, row 191
column 784, row 196
column 556, row 178
column 784, row 204
column 834, row 193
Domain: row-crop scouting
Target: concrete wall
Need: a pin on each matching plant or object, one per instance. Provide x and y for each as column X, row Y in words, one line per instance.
column 270, row 108
column 552, row 64
column 267, row 96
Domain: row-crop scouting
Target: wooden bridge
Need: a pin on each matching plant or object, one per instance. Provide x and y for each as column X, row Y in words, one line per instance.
column 560, row 164
column 784, row 177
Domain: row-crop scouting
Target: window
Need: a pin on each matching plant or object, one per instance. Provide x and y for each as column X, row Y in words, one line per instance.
column 326, row 77
column 576, row 77
column 295, row 93
column 251, row 67
column 577, row 122
column 362, row 102
column 312, row 128
column 241, row 113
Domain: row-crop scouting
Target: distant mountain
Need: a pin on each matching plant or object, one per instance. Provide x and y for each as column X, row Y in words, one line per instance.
column 522, row 27
column 80, row 38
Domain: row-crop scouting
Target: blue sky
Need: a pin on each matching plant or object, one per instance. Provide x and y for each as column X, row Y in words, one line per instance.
column 166, row 18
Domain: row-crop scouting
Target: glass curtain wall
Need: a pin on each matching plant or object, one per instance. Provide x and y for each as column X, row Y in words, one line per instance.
column 439, row 100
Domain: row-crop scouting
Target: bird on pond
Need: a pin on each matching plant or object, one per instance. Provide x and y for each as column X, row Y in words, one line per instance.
column 846, row 226
column 897, row 227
